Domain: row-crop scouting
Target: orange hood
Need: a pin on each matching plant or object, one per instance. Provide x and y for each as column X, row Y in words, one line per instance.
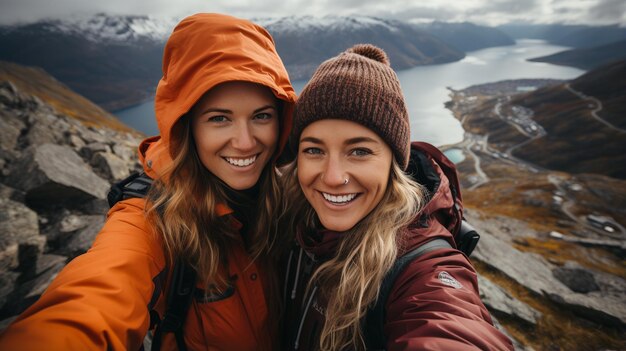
column 203, row 51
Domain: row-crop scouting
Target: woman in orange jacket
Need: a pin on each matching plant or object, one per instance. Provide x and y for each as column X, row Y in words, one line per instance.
column 223, row 109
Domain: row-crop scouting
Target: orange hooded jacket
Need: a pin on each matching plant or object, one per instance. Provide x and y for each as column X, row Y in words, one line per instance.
column 100, row 299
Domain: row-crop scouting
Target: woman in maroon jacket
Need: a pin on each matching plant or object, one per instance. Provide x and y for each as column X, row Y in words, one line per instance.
column 355, row 211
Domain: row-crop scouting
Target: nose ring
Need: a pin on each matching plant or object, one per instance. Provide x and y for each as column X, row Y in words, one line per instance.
column 345, row 181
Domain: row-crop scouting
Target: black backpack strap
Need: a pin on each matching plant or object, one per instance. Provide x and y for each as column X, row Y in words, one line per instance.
column 421, row 169
column 373, row 328
column 135, row 185
column 467, row 238
column 180, row 296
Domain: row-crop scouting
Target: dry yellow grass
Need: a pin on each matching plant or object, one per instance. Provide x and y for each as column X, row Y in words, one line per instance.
column 560, row 252
column 35, row 81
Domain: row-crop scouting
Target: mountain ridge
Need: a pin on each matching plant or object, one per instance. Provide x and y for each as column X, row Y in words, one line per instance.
column 111, row 61
column 577, row 36
column 587, row 58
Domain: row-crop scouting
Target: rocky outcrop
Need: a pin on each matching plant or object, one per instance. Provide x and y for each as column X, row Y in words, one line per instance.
column 56, row 172
column 56, row 175
column 19, row 228
column 577, row 279
column 604, row 304
column 500, row 302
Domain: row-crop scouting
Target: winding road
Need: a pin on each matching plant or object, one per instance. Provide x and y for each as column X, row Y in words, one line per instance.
column 477, row 145
column 598, row 107
column 479, row 171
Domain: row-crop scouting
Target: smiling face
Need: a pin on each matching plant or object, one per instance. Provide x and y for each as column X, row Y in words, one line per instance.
column 235, row 129
column 331, row 151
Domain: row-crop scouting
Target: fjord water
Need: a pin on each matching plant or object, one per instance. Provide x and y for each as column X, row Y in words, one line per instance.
column 426, row 87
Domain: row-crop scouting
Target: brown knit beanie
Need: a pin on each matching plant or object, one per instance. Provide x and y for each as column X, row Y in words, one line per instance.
column 358, row 85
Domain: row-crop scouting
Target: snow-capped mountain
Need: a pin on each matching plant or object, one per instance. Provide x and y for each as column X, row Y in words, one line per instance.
column 107, row 28
column 310, row 23
column 304, row 42
column 116, row 60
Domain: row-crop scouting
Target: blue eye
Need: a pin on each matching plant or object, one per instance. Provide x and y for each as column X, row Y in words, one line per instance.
column 263, row 116
column 218, row 119
column 361, row 152
column 312, row 151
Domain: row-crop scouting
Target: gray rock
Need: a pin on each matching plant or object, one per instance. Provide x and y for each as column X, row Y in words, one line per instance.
column 48, row 262
column 517, row 265
column 504, row 228
column 45, row 128
column 55, row 175
column 112, row 166
column 616, row 246
column 10, row 131
column 81, row 241
column 125, row 152
column 605, row 306
column 48, row 266
column 577, row 279
column 18, row 229
column 28, row 292
column 8, row 93
column 76, row 141
column 7, row 284
column 497, row 299
column 89, row 150
column 6, row 192
column 64, row 231
column 9, row 256
column 29, row 253
column 91, row 135
column 73, row 222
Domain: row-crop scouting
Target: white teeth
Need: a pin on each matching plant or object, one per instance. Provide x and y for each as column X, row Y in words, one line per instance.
column 240, row 162
column 339, row 199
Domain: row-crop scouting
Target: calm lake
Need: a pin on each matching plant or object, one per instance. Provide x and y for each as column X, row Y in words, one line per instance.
column 425, row 87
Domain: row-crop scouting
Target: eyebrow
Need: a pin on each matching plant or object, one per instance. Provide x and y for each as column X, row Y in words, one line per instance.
column 265, row 108
column 221, row 110
column 360, row 140
column 347, row 142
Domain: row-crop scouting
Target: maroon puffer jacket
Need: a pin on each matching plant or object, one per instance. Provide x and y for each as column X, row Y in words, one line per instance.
column 433, row 305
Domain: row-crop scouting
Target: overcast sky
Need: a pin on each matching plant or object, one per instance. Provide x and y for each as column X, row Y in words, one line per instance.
column 489, row 12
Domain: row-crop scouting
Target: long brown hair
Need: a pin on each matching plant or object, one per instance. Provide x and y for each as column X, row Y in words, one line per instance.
column 351, row 279
column 183, row 210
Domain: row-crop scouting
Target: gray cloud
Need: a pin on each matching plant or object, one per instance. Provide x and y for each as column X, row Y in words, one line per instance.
column 609, row 10
column 508, row 7
column 421, row 13
column 479, row 11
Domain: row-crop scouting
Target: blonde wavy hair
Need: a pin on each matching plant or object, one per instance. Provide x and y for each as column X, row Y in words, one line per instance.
column 183, row 211
column 351, row 279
